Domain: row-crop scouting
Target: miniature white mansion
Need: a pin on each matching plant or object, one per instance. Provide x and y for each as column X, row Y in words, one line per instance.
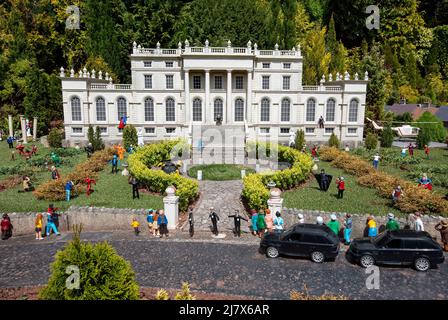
column 174, row 91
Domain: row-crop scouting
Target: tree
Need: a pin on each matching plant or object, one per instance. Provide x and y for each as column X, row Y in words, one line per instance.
column 98, row 141
column 129, row 136
column 371, row 141
column 316, row 57
column 55, row 138
column 333, row 141
column 387, row 137
column 300, row 142
column 103, row 274
column 433, row 125
column 423, row 138
column 91, row 136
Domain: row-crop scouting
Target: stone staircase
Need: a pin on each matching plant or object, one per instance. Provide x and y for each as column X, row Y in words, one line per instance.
column 220, row 144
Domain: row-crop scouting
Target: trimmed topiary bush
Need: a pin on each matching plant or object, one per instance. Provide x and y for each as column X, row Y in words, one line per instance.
column 129, row 136
column 423, row 138
column 371, row 141
column 103, row 274
column 333, row 141
column 387, row 137
column 300, row 142
column 55, row 138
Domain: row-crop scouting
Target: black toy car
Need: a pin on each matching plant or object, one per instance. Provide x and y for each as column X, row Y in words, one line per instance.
column 398, row 247
column 306, row 240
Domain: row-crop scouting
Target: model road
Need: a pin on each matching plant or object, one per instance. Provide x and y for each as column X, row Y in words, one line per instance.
column 230, row 269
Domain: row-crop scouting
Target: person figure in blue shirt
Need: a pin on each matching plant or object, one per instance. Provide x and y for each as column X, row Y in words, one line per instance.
column 10, row 142
column 114, row 162
column 68, row 189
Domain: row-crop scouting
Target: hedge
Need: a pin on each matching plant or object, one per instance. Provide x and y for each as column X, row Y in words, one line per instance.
column 254, row 185
column 55, row 189
column 151, row 155
column 414, row 199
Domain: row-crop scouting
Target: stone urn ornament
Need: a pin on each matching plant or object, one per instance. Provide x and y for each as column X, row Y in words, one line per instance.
column 125, row 171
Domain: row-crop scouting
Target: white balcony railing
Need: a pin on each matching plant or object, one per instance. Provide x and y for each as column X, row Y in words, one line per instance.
column 109, row 86
column 322, row 88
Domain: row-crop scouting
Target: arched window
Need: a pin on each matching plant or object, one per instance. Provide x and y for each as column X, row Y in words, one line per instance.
column 264, row 112
column 76, row 109
column 121, row 108
column 285, row 114
column 353, row 111
column 218, row 109
column 100, row 109
column 197, row 109
column 170, row 110
column 331, row 107
column 149, row 109
column 311, row 110
column 239, row 109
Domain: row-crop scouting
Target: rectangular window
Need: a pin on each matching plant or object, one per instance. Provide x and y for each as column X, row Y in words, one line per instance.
column 287, row 65
column 329, row 130
column 148, row 81
column 239, row 80
column 169, row 81
column 103, row 130
column 196, row 82
column 266, row 65
column 265, row 83
column 150, row 130
column 218, row 82
column 169, row 64
column 284, row 130
column 77, row 130
column 309, row 130
column 352, row 130
column 170, row 130
column 147, row 64
column 264, row 130
column 286, row 82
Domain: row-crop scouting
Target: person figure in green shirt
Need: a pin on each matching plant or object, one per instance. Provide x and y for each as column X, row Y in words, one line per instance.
column 392, row 224
column 261, row 223
column 333, row 224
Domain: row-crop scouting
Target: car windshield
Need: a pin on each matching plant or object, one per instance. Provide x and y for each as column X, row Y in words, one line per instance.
column 379, row 238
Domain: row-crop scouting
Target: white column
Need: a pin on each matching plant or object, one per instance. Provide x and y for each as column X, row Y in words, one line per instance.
column 207, row 98
column 229, row 97
column 248, row 111
column 11, row 131
column 35, row 129
column 275, row 202
column 171, row 207
column 187, row 96
column 22, row 124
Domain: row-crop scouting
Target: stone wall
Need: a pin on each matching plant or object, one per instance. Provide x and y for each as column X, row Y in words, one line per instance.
column 92, row 219
column 359, row 220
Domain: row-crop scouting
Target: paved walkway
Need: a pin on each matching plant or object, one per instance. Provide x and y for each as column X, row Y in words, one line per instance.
column 225, row 197
column 221, row 266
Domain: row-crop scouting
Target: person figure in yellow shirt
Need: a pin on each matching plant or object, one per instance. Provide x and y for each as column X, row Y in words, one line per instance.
column 135, row 224
column 371, row 224
column 38, row 226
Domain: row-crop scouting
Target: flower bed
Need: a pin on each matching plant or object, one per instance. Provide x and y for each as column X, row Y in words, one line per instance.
column 415, row 199
column 144, row 158
column 55, row 189
column 254, row 185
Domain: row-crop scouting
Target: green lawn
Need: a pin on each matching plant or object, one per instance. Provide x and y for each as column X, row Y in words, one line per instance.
column 356, row 199
column 219, row 172
column 110, row 190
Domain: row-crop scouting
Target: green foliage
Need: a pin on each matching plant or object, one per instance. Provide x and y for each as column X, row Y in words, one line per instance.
column 219, row 172
column 129, row 136
column 316, row 57
column 162, row 294
column 98, row 141
column 423, row 138
column 435, row 129
column 104, row 275
column 371, row 141
column 55, row 138
column 387, row 137
column 91, row 135
column 184, row 294
column 151, row 155
column 333, row 141
column 300, row 142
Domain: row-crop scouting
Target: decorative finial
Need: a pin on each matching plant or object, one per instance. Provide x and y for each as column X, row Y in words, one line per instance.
column 80, row 73
column 294, row 49
column 84, row 72
column 110, row 80
column 158, row 45
column 366, row 76
column 72, row 73
column 179, row 45
column 62, row 72
column 100, row 75
column 249, row 44
column 187, row 43
column 276, row 47
column 338, row 76
column 255, row 46
column 330, row 77
column 356, row 76
column 93, row 74
column 139, row 47
column 229, row 44
column 88, row 74
column 107, row 75
column 346, row 75
column 206, row 43
column 134, row 45
column 322, row 80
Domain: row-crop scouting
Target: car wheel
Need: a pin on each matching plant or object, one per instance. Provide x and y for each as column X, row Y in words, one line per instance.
column 366, row 261
column 317, row 256
column 272, row 252
column 422, row 264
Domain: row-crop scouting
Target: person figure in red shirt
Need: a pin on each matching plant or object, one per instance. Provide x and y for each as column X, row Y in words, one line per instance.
column 89, row 182
column 6, row 227
column 314, row 154
column 427, row 151
column 341, row 187
column 411, row 150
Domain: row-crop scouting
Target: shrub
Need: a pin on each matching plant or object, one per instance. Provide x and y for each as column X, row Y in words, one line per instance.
column 371, row 141
column 91, row 136
column 300, row 142
column 55, row 138
column 103, row 274
column 162, row 294
column 184, row 294
column 254, row 185
column 294, row 295
column 151, row 155
column 387, row 137
column 98, row 143
column 423, row 138
column 434, row 126
column 333, row 141
column 129, row 136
